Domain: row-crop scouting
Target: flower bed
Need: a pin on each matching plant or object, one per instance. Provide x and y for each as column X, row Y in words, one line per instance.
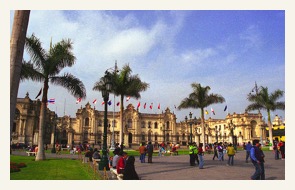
column 15, row 167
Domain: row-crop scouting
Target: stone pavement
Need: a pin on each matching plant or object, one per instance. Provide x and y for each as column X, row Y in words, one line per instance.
column 178, row 168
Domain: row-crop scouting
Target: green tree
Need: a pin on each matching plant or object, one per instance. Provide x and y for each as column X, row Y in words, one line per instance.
column 200, row 98
column 17, row 43
column 124, row 84
column 45, row 67
column 265, row 101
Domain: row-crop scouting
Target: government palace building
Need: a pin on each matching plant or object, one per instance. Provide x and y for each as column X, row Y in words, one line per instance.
column 87, row 127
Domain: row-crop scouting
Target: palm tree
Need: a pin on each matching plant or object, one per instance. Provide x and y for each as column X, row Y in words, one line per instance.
column 17, row 43
column 45, row 67
column 265, row 101
column 124, row 84
column 200, row 98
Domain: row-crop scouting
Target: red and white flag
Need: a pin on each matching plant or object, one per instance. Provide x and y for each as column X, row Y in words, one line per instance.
column 212, row 110
column 118, row 103
column 144, row 106
column 138, row 105
column 151, row 106
column 78, row 100
column 94, row 101
column 128, row 98
column 159, row 107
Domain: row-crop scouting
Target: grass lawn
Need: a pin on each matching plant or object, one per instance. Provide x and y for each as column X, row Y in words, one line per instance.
column 51, row 169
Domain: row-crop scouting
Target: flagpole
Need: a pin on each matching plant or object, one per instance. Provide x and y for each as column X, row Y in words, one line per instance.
column 65, row 107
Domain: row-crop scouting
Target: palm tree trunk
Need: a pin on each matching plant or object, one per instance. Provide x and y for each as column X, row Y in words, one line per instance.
column 17, row 42
column 121, row 121
column 203, row 127
column 41, row 153
column 269, row 130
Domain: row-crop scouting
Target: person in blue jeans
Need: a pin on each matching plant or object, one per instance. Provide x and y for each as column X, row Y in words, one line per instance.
column 201, row 156
column 257, row 158
column 248, row 148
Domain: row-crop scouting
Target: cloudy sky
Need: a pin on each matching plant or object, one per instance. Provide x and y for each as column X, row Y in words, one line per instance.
column 226, row 50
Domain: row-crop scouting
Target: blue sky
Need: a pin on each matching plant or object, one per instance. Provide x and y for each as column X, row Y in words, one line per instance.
column 226, row 50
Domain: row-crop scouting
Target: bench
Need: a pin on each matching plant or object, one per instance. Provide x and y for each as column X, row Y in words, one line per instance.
column 95, row 161
column 114, row 172
column 31, row 153
column 173, row 152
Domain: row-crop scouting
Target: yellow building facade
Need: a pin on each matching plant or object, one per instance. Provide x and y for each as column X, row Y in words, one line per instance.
column 87, row 127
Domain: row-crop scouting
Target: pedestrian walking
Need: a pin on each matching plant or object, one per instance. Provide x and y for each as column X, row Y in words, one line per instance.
column 201, row 156
column 215, row 151
column 257, row 158
column 230, row 153
column 192, row 151
column 281, row 147
column 276, row 151
column 220, row 152
column 248, row 148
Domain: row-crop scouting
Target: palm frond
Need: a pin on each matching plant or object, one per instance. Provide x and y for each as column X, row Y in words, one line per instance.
column 29, row 72
column 37, row 53
column 71, row 83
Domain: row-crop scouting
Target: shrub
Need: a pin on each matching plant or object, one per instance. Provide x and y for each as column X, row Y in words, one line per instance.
column 15, row 167
column 21, row 165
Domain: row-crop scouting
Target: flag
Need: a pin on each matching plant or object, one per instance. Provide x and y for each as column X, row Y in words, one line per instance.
column 110, row 102
column 206, row 112
column 78, row 100
column 138, row 105
column 144, row 106
column 151, row 106
column 225, row 108
column 118, row 103
column 128, row 98
column 212, row 111
column 94, row 101
column 159, row 106
column 51, row 100
column 102, row 103
column 39, row 93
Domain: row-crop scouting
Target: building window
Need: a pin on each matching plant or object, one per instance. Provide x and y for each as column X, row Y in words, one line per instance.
column 130, row 123
column 149, row 136
column 100, row 123
column 167, row 125
column 143, row 137
column 149, row 124
column 183, row 136
column 156, row 125
column 87, row 121
column 142, row 124
column 156, row 137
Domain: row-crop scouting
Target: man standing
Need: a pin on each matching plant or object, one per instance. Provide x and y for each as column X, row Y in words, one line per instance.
column 142, row 152
column 192, row 151
column 248, row 148
column 257, row 157
column 150, row 150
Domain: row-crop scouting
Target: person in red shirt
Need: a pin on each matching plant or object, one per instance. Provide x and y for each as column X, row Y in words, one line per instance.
column 121, row 163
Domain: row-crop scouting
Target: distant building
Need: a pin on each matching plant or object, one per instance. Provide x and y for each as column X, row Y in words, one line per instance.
column 278, row 129
column 87, row 127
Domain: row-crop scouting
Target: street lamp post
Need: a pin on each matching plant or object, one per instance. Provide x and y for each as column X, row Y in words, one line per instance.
column 232, row 127
column 105, row 94
column 190, row 122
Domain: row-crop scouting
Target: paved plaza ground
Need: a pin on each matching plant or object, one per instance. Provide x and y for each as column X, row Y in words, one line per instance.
column 178, row 168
